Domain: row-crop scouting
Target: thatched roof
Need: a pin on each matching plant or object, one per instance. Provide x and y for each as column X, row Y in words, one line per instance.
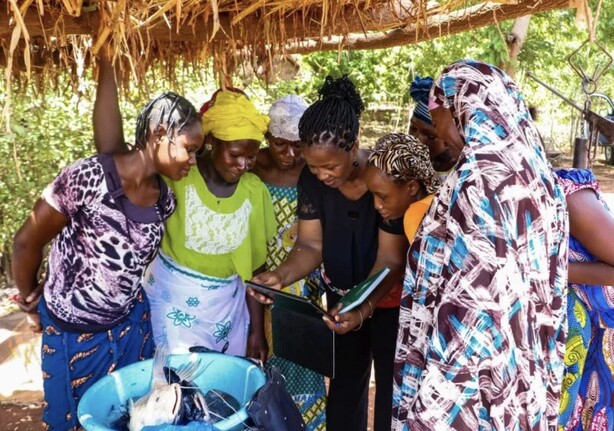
column 49, row 35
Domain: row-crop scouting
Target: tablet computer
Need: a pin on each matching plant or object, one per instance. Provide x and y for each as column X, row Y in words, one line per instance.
column 274, row 293
column 301, row 336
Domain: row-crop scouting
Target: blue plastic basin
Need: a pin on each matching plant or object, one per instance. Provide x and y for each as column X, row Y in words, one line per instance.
column 240, row 378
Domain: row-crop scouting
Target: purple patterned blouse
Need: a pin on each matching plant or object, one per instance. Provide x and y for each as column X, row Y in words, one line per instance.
column 97, row 260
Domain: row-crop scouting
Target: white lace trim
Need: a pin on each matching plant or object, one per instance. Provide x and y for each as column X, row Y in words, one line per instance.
column 209, row 232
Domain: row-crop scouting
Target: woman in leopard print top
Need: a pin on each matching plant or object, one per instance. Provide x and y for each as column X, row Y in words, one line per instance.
column 105, row 215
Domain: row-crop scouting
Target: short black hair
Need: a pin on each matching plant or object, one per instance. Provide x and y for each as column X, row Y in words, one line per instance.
column 334, row 117
column 170, row 110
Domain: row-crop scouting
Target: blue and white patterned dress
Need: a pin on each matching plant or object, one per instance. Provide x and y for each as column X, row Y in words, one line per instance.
column 482, row 321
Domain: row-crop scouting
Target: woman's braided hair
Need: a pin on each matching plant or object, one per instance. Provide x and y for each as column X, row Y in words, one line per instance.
column 334, row 117
column 170, row 110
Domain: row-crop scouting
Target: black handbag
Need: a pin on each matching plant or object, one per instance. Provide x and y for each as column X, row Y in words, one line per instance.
column 272, row 408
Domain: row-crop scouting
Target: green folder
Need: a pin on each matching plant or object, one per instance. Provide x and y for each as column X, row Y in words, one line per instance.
column 359, row 293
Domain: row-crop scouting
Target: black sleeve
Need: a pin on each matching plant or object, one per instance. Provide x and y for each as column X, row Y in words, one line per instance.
column 309, row 196
column 394, row 227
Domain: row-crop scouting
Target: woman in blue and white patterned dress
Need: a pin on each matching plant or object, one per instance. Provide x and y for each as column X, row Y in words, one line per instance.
column 482, row 322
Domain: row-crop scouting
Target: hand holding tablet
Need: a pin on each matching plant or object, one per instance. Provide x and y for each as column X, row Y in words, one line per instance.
column 272, row 294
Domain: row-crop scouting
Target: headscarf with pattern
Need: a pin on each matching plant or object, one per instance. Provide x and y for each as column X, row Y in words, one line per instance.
column 285, row 113
column 406, row 159
column 231, row 116
column 419, row 92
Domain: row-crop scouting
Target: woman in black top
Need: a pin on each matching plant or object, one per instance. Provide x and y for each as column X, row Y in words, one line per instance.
column 340, row 228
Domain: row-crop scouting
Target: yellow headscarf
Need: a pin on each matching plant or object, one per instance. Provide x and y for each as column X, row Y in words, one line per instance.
column 231, row 116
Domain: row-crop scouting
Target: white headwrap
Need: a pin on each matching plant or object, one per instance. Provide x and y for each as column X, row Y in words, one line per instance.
column 285, row 114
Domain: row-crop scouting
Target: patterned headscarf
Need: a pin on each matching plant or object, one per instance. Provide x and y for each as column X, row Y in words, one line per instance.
column 486, row 105
column 419, row 92
column 231, row 116
column 406, row 159
column 285, row 113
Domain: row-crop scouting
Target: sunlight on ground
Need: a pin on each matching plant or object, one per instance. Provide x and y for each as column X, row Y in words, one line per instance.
column 20, row 365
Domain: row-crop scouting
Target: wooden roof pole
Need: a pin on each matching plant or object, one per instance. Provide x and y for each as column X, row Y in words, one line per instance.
column 308, row 31
column 457, row 22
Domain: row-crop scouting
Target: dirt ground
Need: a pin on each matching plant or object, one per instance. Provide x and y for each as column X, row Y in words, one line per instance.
column 21, row 417
column 605, row 175
column 25, row 416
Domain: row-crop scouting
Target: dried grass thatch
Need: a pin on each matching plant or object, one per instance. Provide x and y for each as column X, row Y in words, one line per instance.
column 50, row 36
column 40, row 34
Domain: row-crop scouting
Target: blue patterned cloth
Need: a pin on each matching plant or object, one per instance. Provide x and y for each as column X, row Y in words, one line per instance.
column 419, row 91
column 483, row 313
column 73, row 361
column 587, row 401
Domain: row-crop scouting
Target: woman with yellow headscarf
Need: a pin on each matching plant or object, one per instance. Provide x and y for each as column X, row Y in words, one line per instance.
column 216, row 238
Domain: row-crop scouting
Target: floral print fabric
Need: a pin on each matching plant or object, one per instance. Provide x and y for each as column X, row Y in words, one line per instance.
column 193, row 309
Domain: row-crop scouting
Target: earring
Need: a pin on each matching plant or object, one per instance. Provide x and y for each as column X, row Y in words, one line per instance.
column 355, row 163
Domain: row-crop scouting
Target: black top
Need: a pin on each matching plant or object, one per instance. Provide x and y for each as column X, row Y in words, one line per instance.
column 151, row 214
column 349, row 228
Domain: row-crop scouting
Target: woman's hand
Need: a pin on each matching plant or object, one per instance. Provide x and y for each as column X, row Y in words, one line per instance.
column 257, row 347
column 592, row 273
column 43, row 224
column 29, row 305
column 344, row 322
column 268, row 278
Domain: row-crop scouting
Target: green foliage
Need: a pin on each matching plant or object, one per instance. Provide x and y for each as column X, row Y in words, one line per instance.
column 383, row 76
column 46, row 135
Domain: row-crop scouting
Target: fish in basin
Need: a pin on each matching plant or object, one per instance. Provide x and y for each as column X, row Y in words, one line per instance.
column 179, row 401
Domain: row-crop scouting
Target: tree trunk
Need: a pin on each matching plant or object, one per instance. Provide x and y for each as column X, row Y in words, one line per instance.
column 515, row 39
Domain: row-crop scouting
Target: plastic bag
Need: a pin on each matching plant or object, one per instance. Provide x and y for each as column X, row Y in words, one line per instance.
column 272, row 408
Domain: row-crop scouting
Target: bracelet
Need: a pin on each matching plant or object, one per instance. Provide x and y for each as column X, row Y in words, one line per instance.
column 370, row 308
column 361, row 320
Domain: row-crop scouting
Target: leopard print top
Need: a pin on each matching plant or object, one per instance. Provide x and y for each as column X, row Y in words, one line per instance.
column 97, row 260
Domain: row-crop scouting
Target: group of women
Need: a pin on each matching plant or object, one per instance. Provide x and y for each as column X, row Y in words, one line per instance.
column 468, row 330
